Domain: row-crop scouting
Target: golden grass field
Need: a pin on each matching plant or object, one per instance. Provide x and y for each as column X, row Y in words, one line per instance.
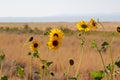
column 12, row 44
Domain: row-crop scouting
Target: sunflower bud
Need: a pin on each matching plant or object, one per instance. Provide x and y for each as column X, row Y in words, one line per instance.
column 31, row 38
column 71, row 62
column 52, row 74
column 118, row 29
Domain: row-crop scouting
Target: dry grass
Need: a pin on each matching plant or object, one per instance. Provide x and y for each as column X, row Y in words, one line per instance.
column 13, row 45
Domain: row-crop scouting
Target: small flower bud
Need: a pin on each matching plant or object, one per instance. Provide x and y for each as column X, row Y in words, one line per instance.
column 71, row 62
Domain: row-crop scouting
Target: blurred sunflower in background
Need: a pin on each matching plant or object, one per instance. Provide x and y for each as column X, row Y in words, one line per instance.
column 118, row 29
column 54, row 43
column 93, row 23
column 83, row 26
column 56, row 33
column 28, row 41
column 34, row 45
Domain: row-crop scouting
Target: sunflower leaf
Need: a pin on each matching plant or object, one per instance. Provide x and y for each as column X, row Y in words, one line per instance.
column 44, row 61
column 93, row 45
column 2, row 56
column 97, row 75
column 104, row 46
column 20, row 71
column 117, row 63
column 38, row 74
column 36, row 54
column 4, row 78
column 49, row 63
column 73, row 78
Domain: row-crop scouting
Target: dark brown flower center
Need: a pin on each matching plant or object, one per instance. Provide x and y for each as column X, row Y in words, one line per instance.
column 84, row 26
column 31, row 38
column 56, row 34
column 43, row 67
column 52, row 74
column 71, row 62
column 55, row 43
column 35, row 45
column 118, row 29
column 93, row 23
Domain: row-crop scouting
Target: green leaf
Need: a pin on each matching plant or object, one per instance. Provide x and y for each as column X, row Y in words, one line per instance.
column 20, row 71
column 46, row 33
column 73, row 78
column 97, row 75
column 4, row 78
column 2, row 57
column 44, row 61
column 117, row 63
column 49, row 63
column 104, row 46
column 109, row 67
column 36, row 54
column 93, row 45
column 38, row 74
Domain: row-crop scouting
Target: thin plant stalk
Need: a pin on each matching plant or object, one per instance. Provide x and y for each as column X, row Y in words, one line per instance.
column 80, row 61
column 1, row 67
column 61, row 64
column 67, row 74
column 111, row 56
column 102, row 60
column 31, row 58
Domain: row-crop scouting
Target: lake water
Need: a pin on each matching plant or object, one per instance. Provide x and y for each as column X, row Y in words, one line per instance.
column 60, row 18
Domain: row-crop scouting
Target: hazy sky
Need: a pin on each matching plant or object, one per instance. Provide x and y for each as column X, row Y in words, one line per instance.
column 39, row 8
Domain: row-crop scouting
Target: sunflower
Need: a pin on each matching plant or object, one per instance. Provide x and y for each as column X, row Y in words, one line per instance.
column 28, row 41
column 34, row 45
column 93, row 23
column 118, row 29
column 54, row 43
column 82, row 25
column 56, row 33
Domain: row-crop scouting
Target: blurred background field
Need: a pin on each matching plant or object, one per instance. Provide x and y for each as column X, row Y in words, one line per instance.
column 14, row 35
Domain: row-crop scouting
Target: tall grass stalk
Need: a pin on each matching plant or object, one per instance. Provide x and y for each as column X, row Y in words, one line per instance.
column 60, row 61
column 31, row 59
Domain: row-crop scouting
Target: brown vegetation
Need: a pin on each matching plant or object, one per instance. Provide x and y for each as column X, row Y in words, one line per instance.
column 70, row 49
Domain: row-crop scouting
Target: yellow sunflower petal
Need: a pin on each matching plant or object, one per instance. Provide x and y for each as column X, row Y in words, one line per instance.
column 54, row 43
column 82, row 25
column 56, row 32
column 34, row 45
column 93, row 24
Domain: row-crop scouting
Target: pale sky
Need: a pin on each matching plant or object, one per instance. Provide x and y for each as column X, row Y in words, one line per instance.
column 41, row 8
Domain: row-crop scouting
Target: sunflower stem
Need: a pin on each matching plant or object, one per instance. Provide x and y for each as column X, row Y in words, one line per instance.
column 67, row 74
column 61, row 64
column 80, row 61
column 111, row 57
column 1, row 68
column 102, row 60
column 31, row 58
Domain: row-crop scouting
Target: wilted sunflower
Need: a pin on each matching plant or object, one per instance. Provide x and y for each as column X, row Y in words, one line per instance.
column 56, row 33
column 118, row 29
column 27, row 42
column 54, row 43
column 34, row 45
column 82, row 25
column 93, row 23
